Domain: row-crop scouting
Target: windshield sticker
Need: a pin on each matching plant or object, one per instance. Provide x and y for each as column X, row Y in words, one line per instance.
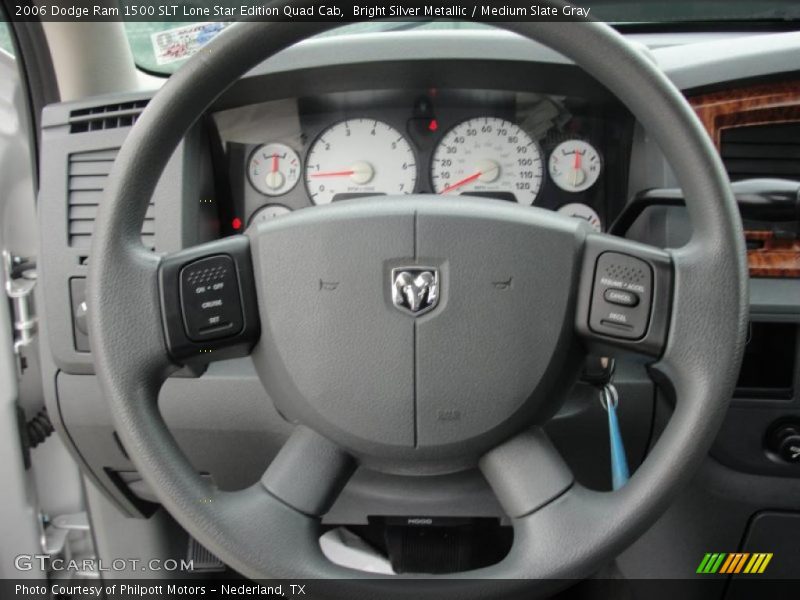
column 179, row 43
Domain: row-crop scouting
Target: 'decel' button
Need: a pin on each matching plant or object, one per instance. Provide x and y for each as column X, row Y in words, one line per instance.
column 621, row 297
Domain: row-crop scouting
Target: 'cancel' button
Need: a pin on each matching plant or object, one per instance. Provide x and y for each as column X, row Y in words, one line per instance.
column 621, row 297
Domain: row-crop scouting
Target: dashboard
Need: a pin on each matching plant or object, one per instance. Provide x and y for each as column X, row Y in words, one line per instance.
column 306, row 119
column 557, row 152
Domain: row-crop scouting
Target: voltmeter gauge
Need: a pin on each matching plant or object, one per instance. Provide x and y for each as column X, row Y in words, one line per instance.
column 575, row 165
column 268, row 212
column 274, row 169
column 578, row 210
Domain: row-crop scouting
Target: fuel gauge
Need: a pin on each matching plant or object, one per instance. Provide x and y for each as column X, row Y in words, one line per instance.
column 274, row 169
column 574, row 165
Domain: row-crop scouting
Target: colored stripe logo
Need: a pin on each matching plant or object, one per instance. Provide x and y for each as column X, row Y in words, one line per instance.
column 734, row 563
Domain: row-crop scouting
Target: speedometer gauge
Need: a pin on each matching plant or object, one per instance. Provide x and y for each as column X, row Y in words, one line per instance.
column 359, row 157
column 488, row 156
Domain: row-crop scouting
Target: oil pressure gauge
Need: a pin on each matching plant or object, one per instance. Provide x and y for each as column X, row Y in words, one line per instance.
column 575, row 165
column 274, row 169
column 576, row 210
column 268, row 212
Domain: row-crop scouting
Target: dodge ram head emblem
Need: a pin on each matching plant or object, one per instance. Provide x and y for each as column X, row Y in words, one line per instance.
column 415, row 290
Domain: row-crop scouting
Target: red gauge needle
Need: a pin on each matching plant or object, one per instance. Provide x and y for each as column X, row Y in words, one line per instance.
column 334, row 174
column 578, row 175
column 274, row 163
column 464, row 181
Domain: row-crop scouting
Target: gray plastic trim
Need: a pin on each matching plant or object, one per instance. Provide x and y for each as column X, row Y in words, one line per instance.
column 178, row 213
column 689, row 60
column 719, row 60
column 775, row 300
column 410, row 46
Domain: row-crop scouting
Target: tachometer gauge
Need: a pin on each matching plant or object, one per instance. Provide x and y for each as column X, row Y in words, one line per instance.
column 359, row 157
column 575, row 165
column 487, row 156
column 584, row 212
column 274, row 169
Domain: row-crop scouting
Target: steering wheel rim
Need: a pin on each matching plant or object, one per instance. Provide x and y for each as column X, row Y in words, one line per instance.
column 564, row 535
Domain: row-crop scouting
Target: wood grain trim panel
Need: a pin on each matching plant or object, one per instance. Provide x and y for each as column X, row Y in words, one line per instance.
column 775, row 258
column 760, row 104
column 755, row 105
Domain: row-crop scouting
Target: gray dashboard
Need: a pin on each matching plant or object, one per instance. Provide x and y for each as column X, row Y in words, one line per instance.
column 222, row 417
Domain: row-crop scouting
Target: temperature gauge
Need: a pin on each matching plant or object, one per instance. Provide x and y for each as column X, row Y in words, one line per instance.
column 582, row 211
column 575, row 165
column 274, row 169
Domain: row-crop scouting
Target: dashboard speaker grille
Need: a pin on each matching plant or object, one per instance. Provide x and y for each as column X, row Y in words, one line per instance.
column 109, row 116
column 87, row 175
column 762, row 151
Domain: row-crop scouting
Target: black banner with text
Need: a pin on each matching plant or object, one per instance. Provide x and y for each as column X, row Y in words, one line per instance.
column 344, row 11
column 218, row 588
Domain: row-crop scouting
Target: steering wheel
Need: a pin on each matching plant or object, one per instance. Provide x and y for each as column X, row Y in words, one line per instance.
column 419, row 335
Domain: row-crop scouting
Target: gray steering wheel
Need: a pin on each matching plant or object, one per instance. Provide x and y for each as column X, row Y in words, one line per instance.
column 467, row 383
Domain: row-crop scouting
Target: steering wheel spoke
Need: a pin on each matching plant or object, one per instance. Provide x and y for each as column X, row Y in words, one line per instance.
column 624, row 297
column 526, row 473
column 309, row 472
column 208, row 301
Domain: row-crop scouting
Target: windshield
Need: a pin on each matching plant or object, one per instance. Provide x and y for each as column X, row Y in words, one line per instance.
column 162, row 47
column 5, row 38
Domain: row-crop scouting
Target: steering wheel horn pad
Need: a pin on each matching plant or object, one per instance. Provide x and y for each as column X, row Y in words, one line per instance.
column 336, row 352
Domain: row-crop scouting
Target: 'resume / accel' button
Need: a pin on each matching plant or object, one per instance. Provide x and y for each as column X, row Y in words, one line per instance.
column 621, row 297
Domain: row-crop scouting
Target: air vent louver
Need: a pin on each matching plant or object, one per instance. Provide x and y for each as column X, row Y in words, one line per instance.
column 762, row 151
column 110, row 116
column 88, row 172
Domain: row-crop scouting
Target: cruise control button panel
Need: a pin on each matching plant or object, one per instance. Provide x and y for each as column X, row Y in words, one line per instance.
column 209, row 307
column 621, row 297
column 210, row 300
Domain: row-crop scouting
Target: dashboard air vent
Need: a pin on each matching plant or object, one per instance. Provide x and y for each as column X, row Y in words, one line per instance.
column 755, row 151
column 88, row 172
column 110, row 116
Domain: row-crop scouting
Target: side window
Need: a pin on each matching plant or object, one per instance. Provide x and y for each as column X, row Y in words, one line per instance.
column 5, row 38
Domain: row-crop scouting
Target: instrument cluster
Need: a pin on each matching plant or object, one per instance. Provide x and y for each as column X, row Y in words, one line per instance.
column 525, row 148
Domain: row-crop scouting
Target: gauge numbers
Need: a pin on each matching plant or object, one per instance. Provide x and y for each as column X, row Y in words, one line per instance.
column 584, row 212
column 359, row 157
column 273, row 169
column 488, row 155
column 574, row 165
